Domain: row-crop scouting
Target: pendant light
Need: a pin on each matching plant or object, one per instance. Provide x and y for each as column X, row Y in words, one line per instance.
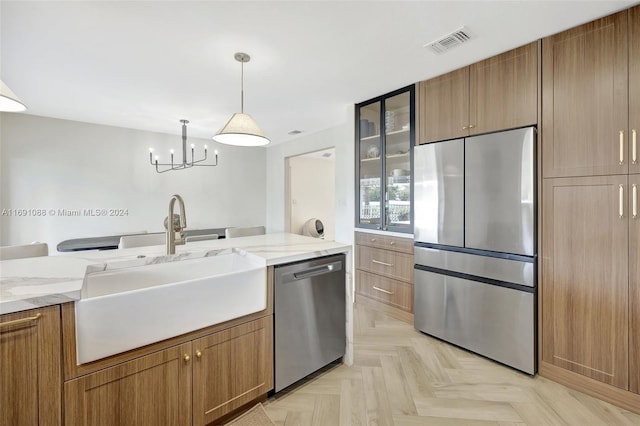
column 9, row 101
column 241, row 129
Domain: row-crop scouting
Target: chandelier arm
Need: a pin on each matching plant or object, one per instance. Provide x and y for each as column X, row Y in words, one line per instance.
column 167, row 169
column 183, row 167
column 203, row 165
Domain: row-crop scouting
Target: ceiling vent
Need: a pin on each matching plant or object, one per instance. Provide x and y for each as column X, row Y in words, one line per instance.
column 456, row 38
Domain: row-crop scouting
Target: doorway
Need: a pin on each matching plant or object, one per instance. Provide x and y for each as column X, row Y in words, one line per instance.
column 310, row 191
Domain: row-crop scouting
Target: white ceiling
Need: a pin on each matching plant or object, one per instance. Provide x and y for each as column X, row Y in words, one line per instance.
column 147, row 64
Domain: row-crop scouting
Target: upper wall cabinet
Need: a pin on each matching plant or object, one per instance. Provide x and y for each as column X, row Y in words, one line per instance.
column 384, row 137
column 634, row 87
column 444, row 107
column 585, row 100
column 495, row 94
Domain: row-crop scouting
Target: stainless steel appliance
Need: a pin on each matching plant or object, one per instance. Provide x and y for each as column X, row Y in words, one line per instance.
column 310, row 317
column 475, row 246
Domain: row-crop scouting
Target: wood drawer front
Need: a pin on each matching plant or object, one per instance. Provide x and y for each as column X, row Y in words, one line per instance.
column 391, row 264
column 404, row 245
column 391, row 292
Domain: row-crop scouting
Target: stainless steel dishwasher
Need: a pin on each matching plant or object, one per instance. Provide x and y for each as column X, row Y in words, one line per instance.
column 310, row 317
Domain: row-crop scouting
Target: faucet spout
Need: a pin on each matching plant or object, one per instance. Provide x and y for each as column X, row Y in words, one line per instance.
column 171, row 229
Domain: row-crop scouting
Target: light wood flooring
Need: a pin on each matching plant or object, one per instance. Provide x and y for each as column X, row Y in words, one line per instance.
column 405, row 378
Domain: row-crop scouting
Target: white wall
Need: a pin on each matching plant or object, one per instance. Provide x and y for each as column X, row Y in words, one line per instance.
column 340, row 137
column 56, row 164
column 312, row 186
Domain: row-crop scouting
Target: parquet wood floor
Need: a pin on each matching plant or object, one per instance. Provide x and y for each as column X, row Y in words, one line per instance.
column 404, row 378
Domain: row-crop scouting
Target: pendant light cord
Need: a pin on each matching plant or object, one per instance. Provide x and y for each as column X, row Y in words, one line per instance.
column 242, row 87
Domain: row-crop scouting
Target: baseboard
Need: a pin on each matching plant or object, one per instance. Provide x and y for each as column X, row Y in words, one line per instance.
column 616, row 396
column 386, row 309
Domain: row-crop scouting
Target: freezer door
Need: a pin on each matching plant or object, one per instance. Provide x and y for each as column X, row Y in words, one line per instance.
column 494, row 321
column 439, row 192
column 499, row 191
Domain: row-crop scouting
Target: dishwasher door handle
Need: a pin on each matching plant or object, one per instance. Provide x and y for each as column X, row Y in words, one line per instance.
column 318, row 270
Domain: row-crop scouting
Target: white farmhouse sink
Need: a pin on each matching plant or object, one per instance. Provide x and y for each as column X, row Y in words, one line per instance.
column 125, row 308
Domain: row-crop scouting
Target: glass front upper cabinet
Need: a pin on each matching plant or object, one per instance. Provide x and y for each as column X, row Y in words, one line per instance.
column 384, row 161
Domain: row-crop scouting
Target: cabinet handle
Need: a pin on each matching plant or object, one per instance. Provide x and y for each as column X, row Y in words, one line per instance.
column 198, row 354
column 381, row 263
column 621, row 147
column 392, row 243
column 20, row 321
column 382, row 290
column 186, row 357
column 634, row 155
column 634, row 202
column 373, row 240
column 470, row 126
column 621, row 201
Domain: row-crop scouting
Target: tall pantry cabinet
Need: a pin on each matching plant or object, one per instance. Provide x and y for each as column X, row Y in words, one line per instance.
column 634, row 182
column 590, row 225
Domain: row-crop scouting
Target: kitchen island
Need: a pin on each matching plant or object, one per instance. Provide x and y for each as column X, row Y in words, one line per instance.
column 47, row 288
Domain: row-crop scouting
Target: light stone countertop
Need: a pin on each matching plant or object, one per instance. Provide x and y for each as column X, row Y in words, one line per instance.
column 42, row 281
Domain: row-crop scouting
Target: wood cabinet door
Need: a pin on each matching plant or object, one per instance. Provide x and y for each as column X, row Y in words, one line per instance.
column 634, row 88
column 231, row 368
column 634, row 284
column 504, row 91
column 444, row 107
column 30, row 368
column 585, row 277
column 584, row 98
column 151, row 390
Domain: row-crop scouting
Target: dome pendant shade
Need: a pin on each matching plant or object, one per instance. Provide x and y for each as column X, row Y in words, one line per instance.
column 9, row 101
column 241, row 130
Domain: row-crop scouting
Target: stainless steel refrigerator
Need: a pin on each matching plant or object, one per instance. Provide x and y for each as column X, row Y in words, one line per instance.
column 475, row 244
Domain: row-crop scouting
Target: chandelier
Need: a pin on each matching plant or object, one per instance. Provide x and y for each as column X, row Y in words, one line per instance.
column 184, row 164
